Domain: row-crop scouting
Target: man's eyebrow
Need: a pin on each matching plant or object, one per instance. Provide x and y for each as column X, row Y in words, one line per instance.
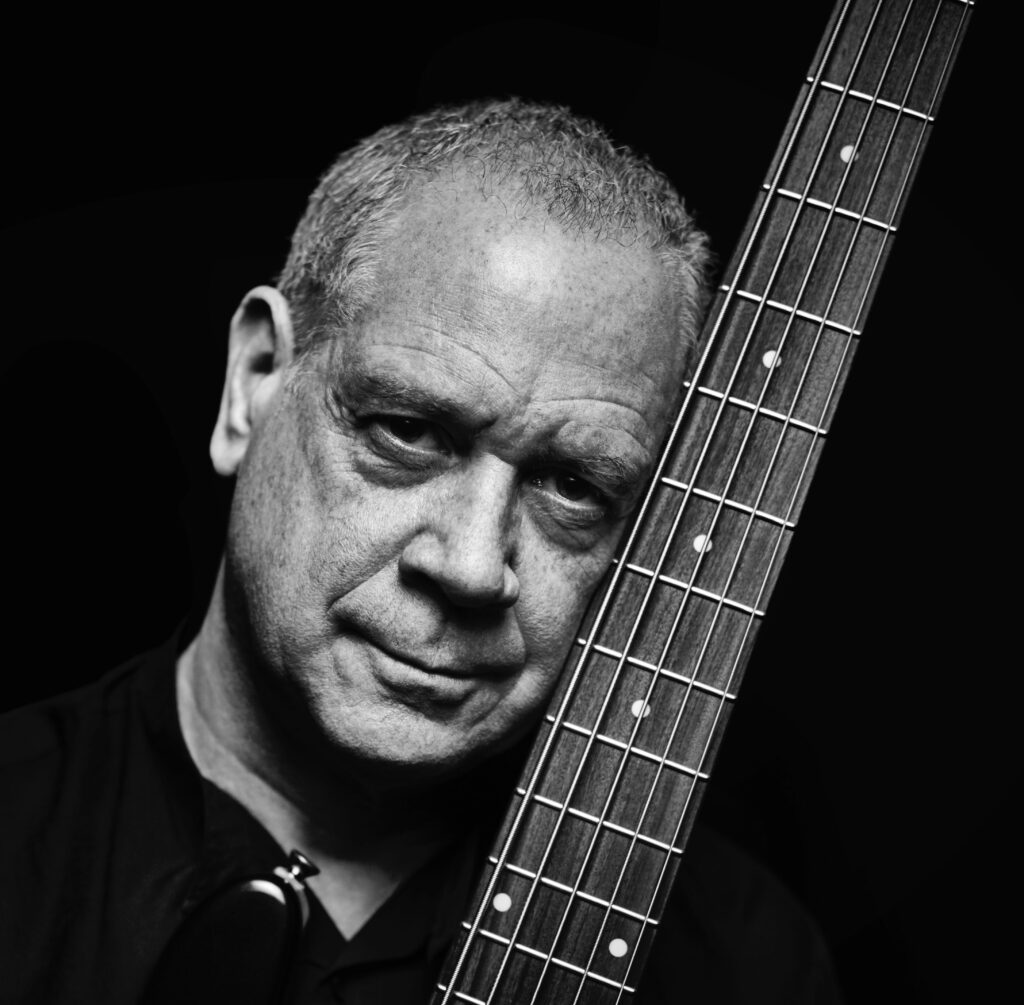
column 621, row 476
column 392, row 390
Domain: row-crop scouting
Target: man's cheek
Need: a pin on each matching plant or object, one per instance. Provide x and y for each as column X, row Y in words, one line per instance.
column 357, row 536
column 555, row 601
column 333, row 470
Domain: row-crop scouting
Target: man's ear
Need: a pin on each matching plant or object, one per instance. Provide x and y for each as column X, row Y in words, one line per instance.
column 260, row 347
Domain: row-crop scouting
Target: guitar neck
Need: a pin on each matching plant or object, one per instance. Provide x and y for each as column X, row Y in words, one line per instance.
column 577, row 881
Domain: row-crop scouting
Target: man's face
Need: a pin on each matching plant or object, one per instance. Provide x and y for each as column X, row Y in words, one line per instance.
column 422, row 514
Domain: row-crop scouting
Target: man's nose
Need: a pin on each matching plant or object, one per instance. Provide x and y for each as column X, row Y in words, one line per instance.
column 466, row 543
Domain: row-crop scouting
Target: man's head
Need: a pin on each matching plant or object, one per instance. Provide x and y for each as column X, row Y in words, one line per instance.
column 436, row 463
column 541, row 159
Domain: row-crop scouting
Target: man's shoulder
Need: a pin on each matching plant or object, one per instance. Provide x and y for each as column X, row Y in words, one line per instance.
column 45, row 728
column 735, row 933
column 61, row 747
column 716, row 870
column 48, row 728
column 89, row 791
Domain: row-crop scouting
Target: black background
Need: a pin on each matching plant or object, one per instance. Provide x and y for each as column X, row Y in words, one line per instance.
column 153, row 171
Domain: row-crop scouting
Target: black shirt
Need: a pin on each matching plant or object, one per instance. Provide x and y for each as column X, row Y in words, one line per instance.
column 110, row 837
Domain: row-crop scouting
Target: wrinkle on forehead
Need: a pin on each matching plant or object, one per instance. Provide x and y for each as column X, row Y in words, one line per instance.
column 516, row 383
column 520, row 312
column 481, row 317
column 462, row 367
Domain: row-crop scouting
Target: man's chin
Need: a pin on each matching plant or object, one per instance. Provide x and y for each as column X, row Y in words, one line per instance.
column 381, row 718
column 409, row 748
column 406, row 736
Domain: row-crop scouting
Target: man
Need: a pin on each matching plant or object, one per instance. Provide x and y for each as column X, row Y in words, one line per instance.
column 438, row 426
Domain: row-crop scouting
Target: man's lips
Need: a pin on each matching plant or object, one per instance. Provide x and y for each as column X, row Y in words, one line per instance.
column 456, row 668
column 413, row 679
column 419, row 664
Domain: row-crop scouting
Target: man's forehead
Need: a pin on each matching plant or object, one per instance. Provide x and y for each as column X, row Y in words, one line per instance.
column 507, row 323
column 513, row 239
column 489, row 263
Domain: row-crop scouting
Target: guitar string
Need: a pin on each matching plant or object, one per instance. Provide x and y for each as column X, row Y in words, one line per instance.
column 883, row 248
column 898, row 205
column 729, row 687
column 693, row 579
column 450, row 986
column 824, row 410
column 581, row 662
column 553, row 732
column 626, row 862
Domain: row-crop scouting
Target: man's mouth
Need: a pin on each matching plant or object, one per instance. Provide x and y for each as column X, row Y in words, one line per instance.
column 476, row 658
column 416, row 680
column 423, row 664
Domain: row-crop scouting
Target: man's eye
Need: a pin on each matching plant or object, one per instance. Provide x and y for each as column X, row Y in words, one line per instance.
column 571, row 488
column 419, row 434
column 575, row 489
column 406, row 430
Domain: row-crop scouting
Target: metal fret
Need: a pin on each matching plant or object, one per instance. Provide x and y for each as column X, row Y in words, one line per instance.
column 554, row 804
column 565, row 964
column 619, row 745
column 661, row 671
column 730, row 503
column 707, row 594
column 462, row 996
column 504, row 940
column 710, row 392
column 831, row 207
column 789, row 309
column 874, row 99
column 564, row 888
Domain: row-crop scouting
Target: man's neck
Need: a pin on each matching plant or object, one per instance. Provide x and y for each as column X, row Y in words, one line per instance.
column 364, row 842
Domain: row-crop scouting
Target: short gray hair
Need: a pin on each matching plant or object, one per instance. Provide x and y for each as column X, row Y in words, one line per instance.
column 554, row 159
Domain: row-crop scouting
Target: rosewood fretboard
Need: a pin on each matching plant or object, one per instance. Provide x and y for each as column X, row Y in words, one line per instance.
column 577, row 879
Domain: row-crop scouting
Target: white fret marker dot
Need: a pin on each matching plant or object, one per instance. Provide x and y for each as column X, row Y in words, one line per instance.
column 640, row 708
column 846, row 154
column 771, row 358
column 618, row 947
column 502, row 902
column 702, row 543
